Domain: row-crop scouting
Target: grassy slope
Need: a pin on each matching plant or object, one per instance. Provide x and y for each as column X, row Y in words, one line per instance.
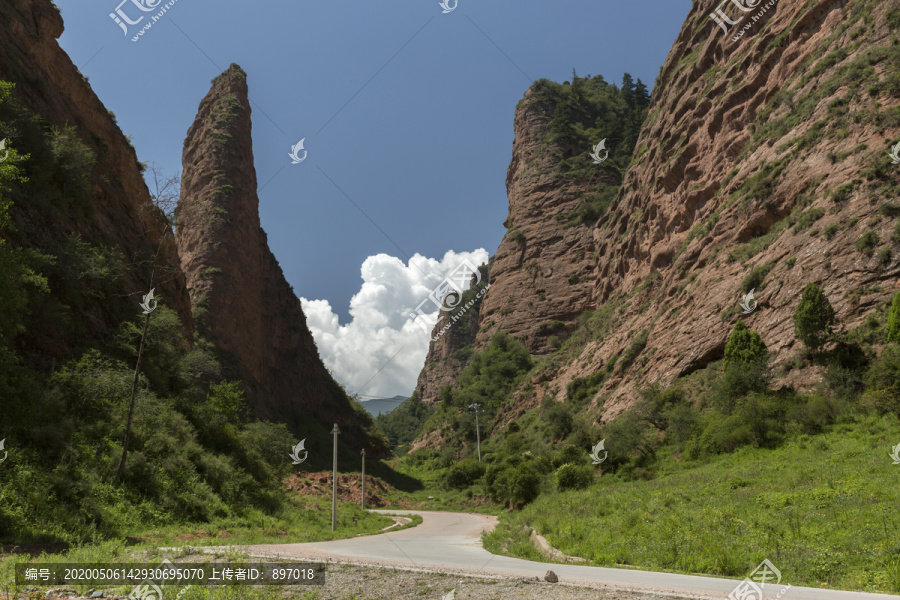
column 308, row 521
column 824, row 509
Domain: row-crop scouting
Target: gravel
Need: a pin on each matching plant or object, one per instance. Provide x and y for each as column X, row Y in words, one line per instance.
column 346, row 582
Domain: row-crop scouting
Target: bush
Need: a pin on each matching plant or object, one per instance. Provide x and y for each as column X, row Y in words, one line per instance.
column 754, row 280
column 463, row 474
column 893, row 326
column 744, row 346
column 515, row 485
column 574, row 477
column 737, row 380
column 569, row 454
column 559, row 420
column 637, row 346
column 813, row 318
column 883, row 381
column 867, row 242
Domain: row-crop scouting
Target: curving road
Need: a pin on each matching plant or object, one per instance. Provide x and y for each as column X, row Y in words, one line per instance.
column 451, row 543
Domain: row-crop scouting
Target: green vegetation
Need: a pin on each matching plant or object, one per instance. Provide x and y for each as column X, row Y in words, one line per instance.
column 893, row 326
column 744, row 346
column 754, row 280
column 585, row 112
column 69, row 334
column 714, row 472
column 804, row 505
column 813, row 318
column 867, row 243
column 402, row 425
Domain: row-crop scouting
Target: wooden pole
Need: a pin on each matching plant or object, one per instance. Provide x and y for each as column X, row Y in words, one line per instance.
column 363, row 500
column 336, row 432
column 134, row 385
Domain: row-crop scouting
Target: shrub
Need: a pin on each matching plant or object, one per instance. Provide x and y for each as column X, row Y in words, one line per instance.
column 463, row 474
column 515, row 485
column 637, row 346
column 569, row 454
column 559, row 420
column 574, row 477
column 893, row 326
column 738, row 380
column 744, row 346
column 813, row 318
column 754, row 280
column 867, row 242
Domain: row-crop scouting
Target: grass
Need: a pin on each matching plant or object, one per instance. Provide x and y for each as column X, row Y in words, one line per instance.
column 822, row 508
column 309, row 521
column 114, row 552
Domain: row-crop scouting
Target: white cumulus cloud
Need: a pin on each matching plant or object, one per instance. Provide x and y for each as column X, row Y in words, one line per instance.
column 381, row 350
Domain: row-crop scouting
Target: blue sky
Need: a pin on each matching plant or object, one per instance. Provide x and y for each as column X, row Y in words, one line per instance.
column 406, row 110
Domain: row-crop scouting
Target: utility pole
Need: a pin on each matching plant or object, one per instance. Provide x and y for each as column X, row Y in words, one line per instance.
column 336, row 432
column 476, row 407
column 363, row 501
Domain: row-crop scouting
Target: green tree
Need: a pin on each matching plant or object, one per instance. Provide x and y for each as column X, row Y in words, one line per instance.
column 893, row 327
column 813, row 318
column 744, row 346
column 574, row 477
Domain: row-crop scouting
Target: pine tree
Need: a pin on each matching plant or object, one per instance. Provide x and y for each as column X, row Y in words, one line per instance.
column 893, row 327
column 813, row 318
column 629, row 92
column 642, row 94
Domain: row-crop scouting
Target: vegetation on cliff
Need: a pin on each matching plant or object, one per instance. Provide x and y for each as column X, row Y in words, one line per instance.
column 724, row 426
column 195, row 454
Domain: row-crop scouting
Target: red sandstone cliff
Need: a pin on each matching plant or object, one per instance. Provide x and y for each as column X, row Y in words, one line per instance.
column 242, row 301
column 119, row 214
column 766, row 155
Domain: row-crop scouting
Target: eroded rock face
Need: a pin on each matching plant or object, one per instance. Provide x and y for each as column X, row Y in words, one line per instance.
column 242, row 302
column 450, row 349
column 542, row 273
column 768, row 152
column 740, row 165
column 119, row 215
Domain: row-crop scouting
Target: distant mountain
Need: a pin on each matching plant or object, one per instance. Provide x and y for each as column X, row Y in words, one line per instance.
column 382, row 405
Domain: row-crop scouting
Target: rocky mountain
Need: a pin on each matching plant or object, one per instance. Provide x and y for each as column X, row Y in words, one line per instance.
column 109, row 210
column 242, row 302
column 451, row 348
column 762, row 165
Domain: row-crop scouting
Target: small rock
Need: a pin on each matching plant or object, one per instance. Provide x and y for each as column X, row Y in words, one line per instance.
column 551, row 577
column 100, row 594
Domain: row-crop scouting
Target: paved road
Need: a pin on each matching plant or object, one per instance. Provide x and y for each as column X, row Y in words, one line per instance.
column 451, row 543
